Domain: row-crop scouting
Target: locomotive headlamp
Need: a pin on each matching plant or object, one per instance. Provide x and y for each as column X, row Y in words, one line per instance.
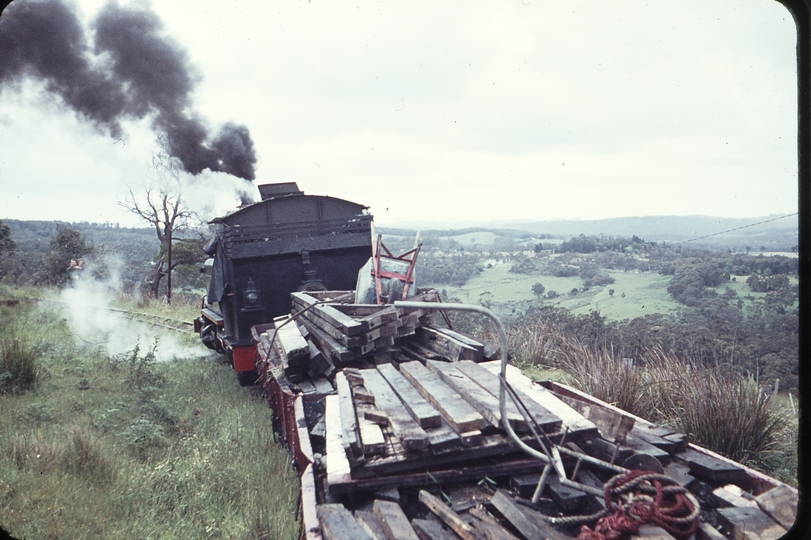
column 251, row 294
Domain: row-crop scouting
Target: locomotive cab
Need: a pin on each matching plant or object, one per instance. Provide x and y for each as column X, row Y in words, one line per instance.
column 261, row 253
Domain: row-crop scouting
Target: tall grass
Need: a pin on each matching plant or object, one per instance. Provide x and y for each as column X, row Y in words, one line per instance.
column 18, row 363
column 716, row 408
column 132, row 448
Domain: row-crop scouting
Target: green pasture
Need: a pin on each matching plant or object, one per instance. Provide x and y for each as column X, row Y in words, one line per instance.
column 635, row 295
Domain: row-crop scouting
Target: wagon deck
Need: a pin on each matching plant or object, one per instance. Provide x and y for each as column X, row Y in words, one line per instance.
column 398, row 432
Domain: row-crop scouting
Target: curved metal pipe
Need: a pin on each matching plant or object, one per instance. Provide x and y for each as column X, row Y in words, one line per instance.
column 502, row 338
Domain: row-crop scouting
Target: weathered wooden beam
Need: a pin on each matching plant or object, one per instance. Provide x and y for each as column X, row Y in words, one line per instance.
column 370, row 524
column 349, row 325
column 715, row 469
column 420, row 409
column 338, row 469
column 411, row 435
column 548, row 421
column 613, row 426
column 781, row 504
column 572, row 420
column 521, row 518
column 337, row 352
column 431, row 530
column 447, row 346
column 486, row 525
column 393, row 521
column 749, row 523
column 337, row 523
column 457, row 412
column 449, row 517
column 478, row 398
column 371, row 436
column 349, row 420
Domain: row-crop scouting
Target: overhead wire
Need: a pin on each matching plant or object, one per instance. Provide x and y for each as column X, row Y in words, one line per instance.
column 733, row 229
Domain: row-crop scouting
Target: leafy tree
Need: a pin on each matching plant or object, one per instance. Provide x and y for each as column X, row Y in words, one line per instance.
column 66, row 245
column 538, row 289
column 7, row 245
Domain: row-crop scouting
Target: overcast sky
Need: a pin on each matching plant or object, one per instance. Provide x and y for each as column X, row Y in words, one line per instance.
column 451, row 111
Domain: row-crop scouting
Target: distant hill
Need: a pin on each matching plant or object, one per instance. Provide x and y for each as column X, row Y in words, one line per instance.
column 773, row 232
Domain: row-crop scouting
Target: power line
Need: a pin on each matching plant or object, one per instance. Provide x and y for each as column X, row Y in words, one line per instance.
column 735, row 229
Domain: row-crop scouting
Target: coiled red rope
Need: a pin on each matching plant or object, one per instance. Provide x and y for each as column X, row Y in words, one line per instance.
column 639, row 497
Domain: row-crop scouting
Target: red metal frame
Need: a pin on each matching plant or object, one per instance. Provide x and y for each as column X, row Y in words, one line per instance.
column 409, row 256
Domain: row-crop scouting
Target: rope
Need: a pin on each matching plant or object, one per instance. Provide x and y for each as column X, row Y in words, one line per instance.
column 639, row 497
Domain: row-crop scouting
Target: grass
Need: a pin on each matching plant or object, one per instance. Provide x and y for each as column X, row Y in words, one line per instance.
column 716, row 408
column 128, row 447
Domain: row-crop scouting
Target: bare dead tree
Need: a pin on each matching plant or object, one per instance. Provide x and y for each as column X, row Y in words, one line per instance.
column 161, row 205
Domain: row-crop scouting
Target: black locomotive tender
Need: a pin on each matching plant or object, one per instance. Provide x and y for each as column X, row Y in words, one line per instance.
column 288, row 242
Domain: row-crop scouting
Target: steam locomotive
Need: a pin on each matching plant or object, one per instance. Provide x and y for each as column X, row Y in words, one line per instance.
column 261, row 253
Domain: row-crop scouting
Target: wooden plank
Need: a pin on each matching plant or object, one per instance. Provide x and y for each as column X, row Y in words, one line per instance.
column 730, row 495
column 338, row 469
column 411, row 435
column 639, row 433
column 322, row 385
column 451, row 518
column 613, row 426
column 420, row 409
column 349, row 420
column 571, row 419
column 453, row 475
column 443, row 438
column 350, row 326
column 485, row 524
column 750, row 524
column 521, row 519
column 680, row 473
column 290, row 338
column 331, row 348
column 548, row 421
column 781, row 504
column 431, row 530
column 713, row 468
column 337, row 523
column 319, row 364
column 314, row 318
column 447, row 346
column 302, row 435
column 371, row 437
column 457, row 412
column 467, row 340
column 309, row 517
column 708, row 532
column 479, row 398
column 393, row 521
column 651, row 532
column 567, row 498
column 368, row 520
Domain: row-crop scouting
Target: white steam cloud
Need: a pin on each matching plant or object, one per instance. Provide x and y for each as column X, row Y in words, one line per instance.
column 86, row 305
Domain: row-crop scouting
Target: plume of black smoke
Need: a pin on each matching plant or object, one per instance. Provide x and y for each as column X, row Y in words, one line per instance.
column 131, row 71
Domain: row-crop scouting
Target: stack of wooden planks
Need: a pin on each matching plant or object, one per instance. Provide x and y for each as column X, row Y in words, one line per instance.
column 424, row 432
column 411, row 443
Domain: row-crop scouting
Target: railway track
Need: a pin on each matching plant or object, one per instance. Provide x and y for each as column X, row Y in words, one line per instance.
column 159, row 321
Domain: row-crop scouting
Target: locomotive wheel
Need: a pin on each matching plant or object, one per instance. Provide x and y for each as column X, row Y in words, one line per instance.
column 247, row 378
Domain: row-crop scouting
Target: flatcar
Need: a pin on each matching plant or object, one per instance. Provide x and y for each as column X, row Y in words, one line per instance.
column 262, row 252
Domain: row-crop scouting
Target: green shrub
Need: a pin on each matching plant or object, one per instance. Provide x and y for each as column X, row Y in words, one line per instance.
column 18, row 364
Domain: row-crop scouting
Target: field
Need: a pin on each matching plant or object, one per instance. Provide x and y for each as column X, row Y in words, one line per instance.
column 127, row 447
column 635, row 294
